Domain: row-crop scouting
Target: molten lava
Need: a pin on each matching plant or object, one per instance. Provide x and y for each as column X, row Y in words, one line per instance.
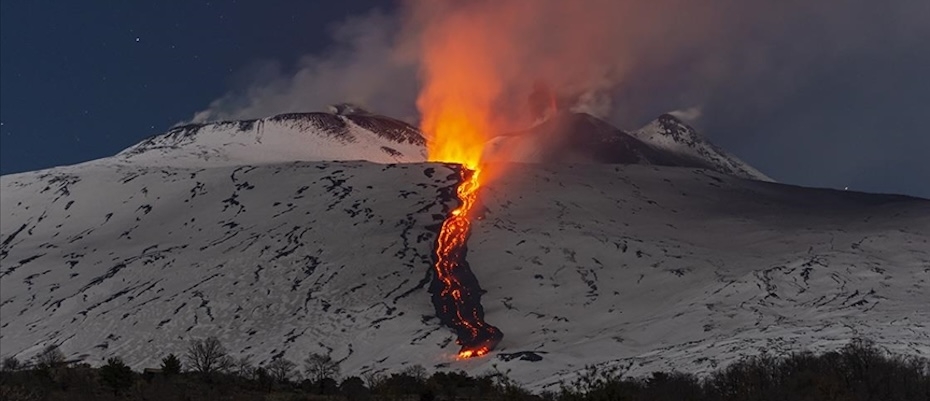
column 456, row 121
column 458, row 299
column 458, row 105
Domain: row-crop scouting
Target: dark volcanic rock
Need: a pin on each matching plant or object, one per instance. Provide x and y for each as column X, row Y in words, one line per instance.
column 582, row 138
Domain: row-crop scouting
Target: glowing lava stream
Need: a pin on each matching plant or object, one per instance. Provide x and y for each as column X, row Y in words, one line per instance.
column 458, row 302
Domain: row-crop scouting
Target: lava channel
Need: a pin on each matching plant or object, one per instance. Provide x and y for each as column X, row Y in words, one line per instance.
column 456, row 293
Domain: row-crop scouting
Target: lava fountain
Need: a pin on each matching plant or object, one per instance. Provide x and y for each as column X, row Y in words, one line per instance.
column 459, row 108
column 456, row 295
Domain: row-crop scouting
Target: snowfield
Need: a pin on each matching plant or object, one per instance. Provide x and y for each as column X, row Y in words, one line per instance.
column 279, row 252
column 652, row 268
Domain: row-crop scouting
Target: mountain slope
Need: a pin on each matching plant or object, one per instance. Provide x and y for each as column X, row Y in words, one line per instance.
column 651, row 268
column 672, row 135
column 576, row 138
column 568, row 137
column 642, row 267
column 274, row 259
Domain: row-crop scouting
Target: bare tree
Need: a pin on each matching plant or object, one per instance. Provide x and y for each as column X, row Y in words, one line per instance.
column 11, row 364
column 207, row 356
column 417, row 372
column 319, row 367
column 244, row 367
column 226, row 365
column 373, row 378
column 281, row 369
column 50, row 357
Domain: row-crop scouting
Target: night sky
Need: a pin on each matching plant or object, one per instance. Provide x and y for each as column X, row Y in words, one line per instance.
column 84, row 80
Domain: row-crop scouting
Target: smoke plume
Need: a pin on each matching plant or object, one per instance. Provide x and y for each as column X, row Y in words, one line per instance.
column 364, row 66
column 625, row 60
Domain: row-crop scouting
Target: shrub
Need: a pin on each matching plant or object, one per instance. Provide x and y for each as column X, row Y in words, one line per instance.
column 11, row 364
column 116, row 375
column 353, row 388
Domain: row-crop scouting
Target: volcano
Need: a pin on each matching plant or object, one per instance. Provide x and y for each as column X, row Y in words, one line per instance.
column 349, row 134
column 316, row 232
column 569, row 137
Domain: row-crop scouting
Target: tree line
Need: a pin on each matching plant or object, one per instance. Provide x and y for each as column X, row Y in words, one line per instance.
column 859, row 371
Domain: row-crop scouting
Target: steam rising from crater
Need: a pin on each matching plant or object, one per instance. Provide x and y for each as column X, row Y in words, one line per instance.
column 626, row 60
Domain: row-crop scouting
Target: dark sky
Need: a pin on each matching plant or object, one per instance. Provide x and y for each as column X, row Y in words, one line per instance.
column 84, row 80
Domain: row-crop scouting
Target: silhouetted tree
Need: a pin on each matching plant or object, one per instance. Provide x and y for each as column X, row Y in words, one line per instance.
column 170, row 365
column 328, row 386
column 244, row 368
column 264, row 379
column 859, row 372
column 398, row 384
column 116, row 375
column 673, row 386
column 206, row 356
column 353, row 388
column 226, row 365
column 453, row 384
column 281, row 370
column 506, row 387
column 373, row 378
column 319, row 367
column 11, row 364
column 50, row 357
column 417, row 372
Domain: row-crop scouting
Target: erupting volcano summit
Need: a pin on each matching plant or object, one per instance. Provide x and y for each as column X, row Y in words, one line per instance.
column 457, row 122
column 455, row 135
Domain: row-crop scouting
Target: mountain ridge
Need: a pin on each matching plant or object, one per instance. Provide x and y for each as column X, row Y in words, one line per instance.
column 350, row 132
column 569, row 137
column 282, row 138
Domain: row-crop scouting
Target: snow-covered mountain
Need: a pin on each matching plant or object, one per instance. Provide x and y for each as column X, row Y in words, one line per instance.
column 576, row 138
column 279, row 251
column 351, row 133
column 347, row 135
column 569, row 137
column 673, row 135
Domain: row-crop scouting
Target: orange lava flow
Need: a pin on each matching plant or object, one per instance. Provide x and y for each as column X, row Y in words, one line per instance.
column 462, row 307
column 458, row 105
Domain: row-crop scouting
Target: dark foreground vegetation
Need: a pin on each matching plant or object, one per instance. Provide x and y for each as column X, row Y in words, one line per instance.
column 859, row 371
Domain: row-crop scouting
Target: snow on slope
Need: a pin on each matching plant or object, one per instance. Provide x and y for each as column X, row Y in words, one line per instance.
column 636, row 266
column 670, row 134
column 682, row 269
column 282, row 138
column 274, row 260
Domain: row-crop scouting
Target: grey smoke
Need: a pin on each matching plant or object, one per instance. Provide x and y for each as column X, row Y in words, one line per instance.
column 805, row 90
column 362, row 66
